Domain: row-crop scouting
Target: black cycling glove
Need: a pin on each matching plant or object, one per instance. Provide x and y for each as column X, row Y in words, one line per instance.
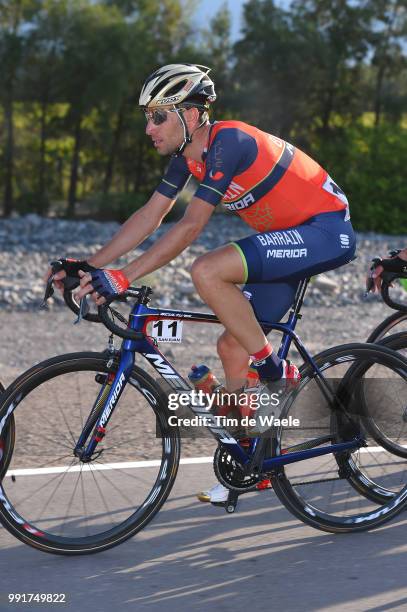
column 394, row 264
column 71, row 266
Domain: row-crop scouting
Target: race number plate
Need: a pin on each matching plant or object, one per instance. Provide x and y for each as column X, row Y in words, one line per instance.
column 167, row 331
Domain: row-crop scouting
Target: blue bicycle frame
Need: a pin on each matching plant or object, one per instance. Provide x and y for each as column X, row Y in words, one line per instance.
column 139, row 318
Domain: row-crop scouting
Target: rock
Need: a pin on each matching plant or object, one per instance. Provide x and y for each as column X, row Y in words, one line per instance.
column 28, row 243
column 325, row 284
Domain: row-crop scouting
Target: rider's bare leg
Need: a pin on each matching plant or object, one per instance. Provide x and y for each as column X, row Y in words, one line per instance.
column 235, row 361
column 215, row 276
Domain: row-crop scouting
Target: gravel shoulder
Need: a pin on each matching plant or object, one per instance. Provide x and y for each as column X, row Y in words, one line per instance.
column 30, row 337
column 334, row 311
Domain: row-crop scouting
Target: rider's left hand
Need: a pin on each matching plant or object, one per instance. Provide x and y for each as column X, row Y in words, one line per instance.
column 102, row 284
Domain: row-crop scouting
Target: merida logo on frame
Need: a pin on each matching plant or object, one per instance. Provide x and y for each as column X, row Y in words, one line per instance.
column 116, row 391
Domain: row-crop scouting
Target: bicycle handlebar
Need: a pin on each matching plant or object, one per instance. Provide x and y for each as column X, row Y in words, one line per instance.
column 103, row 312
column 81, row 309
column 387, row 279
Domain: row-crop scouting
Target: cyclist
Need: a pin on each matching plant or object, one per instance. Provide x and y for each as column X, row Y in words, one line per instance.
column 299, row 214
column 396, row 263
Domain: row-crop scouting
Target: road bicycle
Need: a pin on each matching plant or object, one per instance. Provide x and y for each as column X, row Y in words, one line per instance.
column 93, row 451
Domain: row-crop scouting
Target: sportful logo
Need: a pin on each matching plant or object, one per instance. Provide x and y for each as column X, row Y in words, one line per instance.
column 115, row 395
column 345, row 241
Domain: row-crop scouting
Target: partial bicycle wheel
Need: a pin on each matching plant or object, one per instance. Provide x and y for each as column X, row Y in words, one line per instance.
column 387, row 427
column 6, row 443
column 51, row 500
column 395, row 323
column 348, row 491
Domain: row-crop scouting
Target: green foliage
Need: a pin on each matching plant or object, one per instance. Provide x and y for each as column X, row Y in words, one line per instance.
column 328, row 75
column 119, row 206
column 369, row 164
column 112, row 207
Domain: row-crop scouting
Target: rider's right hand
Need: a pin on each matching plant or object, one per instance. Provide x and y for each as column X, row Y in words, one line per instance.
column 396, row 263
column 58, row 276
column 67, row 267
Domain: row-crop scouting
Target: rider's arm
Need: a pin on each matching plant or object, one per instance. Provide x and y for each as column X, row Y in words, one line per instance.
column 138, row 227
column 231, row 152
column 173, row 242
column 143, row 222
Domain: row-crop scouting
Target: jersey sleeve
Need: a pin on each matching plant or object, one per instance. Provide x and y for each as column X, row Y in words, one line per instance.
column 175, row 178
column 232, row 151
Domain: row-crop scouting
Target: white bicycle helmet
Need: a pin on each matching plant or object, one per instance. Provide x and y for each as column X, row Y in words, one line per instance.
column 178, row 83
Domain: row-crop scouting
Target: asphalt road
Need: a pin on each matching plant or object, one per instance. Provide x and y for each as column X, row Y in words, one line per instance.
column 195, row 556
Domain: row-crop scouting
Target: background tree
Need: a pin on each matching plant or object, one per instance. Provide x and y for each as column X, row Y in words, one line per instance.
column 330, row 76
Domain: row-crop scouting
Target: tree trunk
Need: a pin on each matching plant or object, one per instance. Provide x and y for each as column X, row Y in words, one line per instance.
column 73, row 184
column 8, row 155
column 139, row 167
column 328, row 108
column 42, row 202
column 383, row 63
column 113, row 151
column 378, row 96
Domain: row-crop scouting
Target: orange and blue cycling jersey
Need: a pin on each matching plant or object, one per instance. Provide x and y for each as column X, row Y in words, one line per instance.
column 299, row 213
column 268, row 182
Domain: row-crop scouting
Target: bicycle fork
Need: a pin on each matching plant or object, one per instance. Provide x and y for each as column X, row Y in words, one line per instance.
column 112, row 388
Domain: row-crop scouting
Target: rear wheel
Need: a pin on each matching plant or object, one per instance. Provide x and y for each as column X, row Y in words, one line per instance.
column 51, row 500
column 352, row 490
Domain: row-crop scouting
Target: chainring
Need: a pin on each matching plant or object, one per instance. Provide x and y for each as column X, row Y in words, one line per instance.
column 230, row 473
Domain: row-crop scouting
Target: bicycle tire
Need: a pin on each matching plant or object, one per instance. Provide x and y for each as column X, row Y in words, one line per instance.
column 356, row 487
column 6, row 444
column 387, row 325
column 394, row 444
column 86, row 522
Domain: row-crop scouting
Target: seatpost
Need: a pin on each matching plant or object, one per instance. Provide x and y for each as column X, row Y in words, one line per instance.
column 293, row 317
column 299, row 298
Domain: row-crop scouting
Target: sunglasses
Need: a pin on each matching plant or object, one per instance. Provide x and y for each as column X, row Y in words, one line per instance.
column 159, row 116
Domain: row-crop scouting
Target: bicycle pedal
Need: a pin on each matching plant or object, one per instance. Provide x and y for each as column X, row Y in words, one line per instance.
column 230, row 504
column 264, row 485
column 219, row 504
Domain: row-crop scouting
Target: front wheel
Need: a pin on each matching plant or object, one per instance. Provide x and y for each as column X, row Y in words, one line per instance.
column 393, row 324
column 52, row 501
column 352, row 490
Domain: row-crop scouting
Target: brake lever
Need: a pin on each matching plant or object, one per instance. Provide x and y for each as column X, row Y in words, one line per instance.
column 49, row 291
column 370, row 280
column 83, row 310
